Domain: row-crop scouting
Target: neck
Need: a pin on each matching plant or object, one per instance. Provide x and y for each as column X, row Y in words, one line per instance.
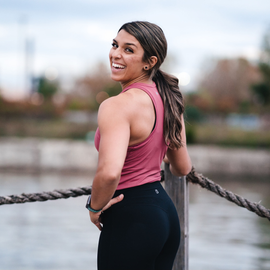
column 142, row 79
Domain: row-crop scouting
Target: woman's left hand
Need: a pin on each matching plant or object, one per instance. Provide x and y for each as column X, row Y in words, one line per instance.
column 95, row 217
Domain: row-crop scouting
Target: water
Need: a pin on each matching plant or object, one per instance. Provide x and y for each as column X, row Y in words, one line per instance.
column 46, row 235
column 224, row 236
column 58, row 234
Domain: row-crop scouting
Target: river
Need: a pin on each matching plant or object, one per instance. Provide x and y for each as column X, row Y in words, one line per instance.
column 58, row 235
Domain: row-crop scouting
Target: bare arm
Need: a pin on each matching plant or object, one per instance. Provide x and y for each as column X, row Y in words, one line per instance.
column 180, row 163
column 114, row 130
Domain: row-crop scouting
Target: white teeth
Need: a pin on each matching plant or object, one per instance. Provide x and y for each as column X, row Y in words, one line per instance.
column 117, row 66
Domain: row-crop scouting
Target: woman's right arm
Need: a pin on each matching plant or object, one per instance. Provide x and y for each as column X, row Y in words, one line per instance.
column 180, row 163
column 114, row 127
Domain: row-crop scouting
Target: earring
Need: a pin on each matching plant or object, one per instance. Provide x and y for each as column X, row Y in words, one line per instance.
column 146, row 67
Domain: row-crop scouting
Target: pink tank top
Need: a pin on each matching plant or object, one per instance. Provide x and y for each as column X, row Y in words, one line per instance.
column 143, row 160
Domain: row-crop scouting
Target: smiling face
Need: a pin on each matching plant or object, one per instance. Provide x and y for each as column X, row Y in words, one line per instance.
column 126, row 59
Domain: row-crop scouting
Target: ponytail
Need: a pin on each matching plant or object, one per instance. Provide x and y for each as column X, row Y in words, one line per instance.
column 154, row 43
column 168, row 89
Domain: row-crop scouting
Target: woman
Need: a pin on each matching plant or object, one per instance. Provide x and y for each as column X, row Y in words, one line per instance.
column 136, row 130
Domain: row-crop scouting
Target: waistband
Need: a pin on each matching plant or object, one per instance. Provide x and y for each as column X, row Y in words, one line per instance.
column 137, row 189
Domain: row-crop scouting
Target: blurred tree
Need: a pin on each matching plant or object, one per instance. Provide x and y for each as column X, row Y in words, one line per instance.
column 193, row 113
column 47, row 88
column 91, row 84
column 228, row 83
column 91, row 89
column 262, row 89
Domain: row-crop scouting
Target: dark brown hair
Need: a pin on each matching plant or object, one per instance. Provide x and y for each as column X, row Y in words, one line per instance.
column 154, row 43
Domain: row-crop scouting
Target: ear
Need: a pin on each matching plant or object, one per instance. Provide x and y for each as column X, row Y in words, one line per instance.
column 152, row 61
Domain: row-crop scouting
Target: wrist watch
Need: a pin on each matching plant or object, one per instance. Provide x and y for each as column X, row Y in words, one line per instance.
column 89, row 207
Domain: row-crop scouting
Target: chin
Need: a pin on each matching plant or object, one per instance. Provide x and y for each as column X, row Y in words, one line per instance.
column 115, row 78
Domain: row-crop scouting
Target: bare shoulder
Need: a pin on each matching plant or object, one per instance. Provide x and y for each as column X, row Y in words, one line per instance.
column 114, row 108
column 124, row 107
column 136, row 97
column 122, row 103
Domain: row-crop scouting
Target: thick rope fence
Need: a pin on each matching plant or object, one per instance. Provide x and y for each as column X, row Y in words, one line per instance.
column 193, row 177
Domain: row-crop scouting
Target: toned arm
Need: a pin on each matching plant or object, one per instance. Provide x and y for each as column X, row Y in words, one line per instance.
column 180, row 163
column 114, row 130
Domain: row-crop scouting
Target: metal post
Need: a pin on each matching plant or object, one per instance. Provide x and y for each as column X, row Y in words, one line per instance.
column 177, row 188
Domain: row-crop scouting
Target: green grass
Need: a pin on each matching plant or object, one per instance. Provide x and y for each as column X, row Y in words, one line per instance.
column 227, row 136
column 44, row 129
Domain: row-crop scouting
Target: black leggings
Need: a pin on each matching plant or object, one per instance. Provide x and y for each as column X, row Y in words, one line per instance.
column 141, row 232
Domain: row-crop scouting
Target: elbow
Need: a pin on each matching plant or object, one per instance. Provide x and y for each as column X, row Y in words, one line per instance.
column 181, row 171
column 109, row 177
column 186, row 171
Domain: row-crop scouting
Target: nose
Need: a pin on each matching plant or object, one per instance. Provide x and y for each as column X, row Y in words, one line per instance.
column 116, row 53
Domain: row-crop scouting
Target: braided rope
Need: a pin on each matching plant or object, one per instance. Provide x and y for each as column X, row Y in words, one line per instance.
column 45, row 196
column 204, row 182
column 192, row 177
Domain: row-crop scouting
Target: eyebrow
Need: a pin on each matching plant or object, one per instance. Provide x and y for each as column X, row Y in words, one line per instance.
column 129, row 44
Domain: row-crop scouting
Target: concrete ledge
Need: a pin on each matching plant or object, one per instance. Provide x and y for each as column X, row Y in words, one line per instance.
column 38, row 155
column 213, row 159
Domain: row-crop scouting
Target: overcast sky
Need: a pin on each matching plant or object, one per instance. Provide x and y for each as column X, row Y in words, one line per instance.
column 73, row 36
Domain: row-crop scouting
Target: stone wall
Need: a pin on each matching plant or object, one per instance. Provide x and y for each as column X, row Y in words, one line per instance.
column 38, row 155
column 41, row 155
column 215, row 159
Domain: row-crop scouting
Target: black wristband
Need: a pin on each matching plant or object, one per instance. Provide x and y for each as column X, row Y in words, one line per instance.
column 89, row 207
